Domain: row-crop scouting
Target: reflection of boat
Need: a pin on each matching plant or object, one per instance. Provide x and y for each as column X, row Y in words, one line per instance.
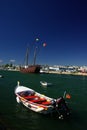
column 30, row 68
column 44, row 83
column 41, row 103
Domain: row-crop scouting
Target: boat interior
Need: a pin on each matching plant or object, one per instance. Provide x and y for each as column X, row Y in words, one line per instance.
column 33, row 97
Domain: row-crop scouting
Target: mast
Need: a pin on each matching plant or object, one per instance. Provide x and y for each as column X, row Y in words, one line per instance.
column 36, row 50
column 35, row 54
column 27, row 56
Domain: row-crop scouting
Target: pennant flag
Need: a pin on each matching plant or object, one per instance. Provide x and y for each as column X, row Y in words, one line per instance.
column 44, row 44
column 68, row 96
column 37, row 39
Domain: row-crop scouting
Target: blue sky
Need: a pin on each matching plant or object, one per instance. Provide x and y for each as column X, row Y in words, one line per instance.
column 61, row 24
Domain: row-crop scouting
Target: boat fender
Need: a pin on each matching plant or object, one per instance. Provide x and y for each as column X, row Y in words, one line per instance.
column 46, row 108
column 29, row 106
column 18, row 100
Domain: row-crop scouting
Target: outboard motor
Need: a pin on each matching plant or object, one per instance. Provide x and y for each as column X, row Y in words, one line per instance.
column 62, row 108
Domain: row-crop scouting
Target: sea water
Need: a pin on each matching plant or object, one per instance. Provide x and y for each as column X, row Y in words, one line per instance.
column 14, row 116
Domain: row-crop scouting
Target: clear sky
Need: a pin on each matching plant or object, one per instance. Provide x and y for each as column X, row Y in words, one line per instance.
column 61, row 24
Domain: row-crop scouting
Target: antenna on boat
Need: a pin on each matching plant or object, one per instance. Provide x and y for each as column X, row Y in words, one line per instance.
column 64, row 94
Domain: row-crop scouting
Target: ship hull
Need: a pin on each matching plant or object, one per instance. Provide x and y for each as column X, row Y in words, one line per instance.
column 31, row 69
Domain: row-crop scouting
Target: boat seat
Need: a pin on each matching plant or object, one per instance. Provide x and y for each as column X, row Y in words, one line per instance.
column 31, row 97
column 38, row 100
column 46, row 103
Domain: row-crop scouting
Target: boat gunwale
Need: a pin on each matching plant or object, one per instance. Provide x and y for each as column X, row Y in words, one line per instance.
column 33, row 103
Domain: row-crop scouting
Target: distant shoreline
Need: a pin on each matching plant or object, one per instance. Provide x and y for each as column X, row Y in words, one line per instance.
column 56, row 72
column 68, row 73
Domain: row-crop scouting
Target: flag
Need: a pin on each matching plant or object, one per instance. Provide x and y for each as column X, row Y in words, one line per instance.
column 44, row 44
column 68, row 96
column 37, row 39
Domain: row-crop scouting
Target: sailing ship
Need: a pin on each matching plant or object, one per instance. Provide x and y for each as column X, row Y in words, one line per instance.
column 30, row 68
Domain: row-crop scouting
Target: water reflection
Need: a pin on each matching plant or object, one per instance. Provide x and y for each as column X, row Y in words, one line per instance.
column 27, row 117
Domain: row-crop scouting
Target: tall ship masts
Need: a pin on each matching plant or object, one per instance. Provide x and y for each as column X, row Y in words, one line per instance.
column 30, row 68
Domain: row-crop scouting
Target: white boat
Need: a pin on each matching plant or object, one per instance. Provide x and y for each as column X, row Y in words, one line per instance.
column 44, row 83
column 40, row 103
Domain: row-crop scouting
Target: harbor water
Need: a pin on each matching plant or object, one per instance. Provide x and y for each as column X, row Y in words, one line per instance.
column 14, row 116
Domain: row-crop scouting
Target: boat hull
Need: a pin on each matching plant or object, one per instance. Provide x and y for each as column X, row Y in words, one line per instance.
column 37, row 108
column 31, row 69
